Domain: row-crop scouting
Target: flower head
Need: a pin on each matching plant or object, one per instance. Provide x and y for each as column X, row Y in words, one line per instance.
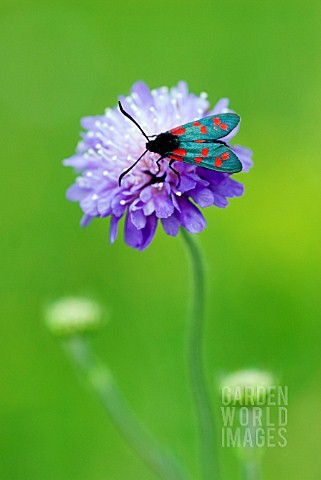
column 112, row 143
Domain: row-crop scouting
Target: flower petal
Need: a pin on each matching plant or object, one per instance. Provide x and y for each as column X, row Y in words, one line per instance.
column 133, row 237
column 77, row 161
column 163, row 206
column 149, row 208
column 113, row 228
column 202, row 196
column 191, row 218
column 245, row 156
column 89, row 205
column 148, row 232
column 143, row 96
column 220, row 107
column 171, row 225
column 138, row 218
column 146, row 194
column 75, row 193
column 104, row 206
column 86, row 219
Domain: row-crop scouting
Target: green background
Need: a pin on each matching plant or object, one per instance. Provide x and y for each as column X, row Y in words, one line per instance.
column 61, row 60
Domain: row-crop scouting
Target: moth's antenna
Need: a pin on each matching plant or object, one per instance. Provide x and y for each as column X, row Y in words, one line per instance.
column 131, row 118
column 129, row 169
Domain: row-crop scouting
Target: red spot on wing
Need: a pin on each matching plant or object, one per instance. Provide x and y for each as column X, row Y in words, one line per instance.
column 216, row 121
column 199, row 141
column 197, row 124
column 203, row 129
column 223, row 126
column 198, row 159
column 218, row 162
column 204, row 152
column 225, row 156
column 180, row 151
column 178, row 131
column 176, row 158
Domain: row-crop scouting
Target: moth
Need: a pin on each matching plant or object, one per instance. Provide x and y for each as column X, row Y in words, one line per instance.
column 196, row 143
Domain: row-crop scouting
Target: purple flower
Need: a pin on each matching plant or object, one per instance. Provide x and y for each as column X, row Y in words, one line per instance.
column 111, row 143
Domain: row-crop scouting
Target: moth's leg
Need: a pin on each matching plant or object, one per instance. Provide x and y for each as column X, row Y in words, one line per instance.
column 175, row 171
column 158, row 164
column 129, row 169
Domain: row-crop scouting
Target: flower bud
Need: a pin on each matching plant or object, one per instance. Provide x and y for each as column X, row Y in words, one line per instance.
column 72, row 315
column 246, row 387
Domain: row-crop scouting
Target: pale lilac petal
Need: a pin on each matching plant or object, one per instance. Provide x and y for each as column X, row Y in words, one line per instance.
column 149, row 208
column 175, row 198
column 228, row 188
column 232, row 188
column 183, row 88
column 86, row 219
column 75, row 193
column 133, row 237
column 118, row 205
column 187, row 183
column 113, row 229
column 89, row 205
column 220, row 201
column 148, row 232
column 245, row 156
column 89, row 123
column 191, row 217
column 144, row 97
column 138, row 218
column 220, row 107
column 163, row 206
column 171, row 225
column 104, row 206
column 146, row 194
column 203, row 197
column 77, row 161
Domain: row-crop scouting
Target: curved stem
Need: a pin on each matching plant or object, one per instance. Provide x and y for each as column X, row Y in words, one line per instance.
column 251, row 470
column 251, row 456
column 101, row 381
column 207, row 433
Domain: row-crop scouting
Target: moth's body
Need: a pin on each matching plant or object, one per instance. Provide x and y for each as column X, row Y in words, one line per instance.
column 166, row 143
column 163, row 144
column 196, row 143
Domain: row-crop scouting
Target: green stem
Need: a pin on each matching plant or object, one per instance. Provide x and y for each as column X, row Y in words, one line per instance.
column 251, row 456
column 251, row 470
column 207, row 433
column 102, row 382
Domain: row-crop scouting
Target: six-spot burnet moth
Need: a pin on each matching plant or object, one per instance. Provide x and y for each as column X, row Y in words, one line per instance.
column 197, row 143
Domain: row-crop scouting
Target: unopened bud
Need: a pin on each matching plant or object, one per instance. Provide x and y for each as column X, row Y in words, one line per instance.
column 246, row 387
column 72, row 315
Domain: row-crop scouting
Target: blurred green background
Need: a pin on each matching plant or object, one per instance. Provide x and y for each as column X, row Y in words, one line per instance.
column 61, row 60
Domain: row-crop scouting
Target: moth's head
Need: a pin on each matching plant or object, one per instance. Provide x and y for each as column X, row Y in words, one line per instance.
column 163, row 143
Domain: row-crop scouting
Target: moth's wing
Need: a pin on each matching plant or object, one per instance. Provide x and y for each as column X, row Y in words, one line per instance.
column 213, row 156
column 208, row 128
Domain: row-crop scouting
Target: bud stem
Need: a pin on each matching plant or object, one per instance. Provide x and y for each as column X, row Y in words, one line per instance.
column 251, row 470
column 163, row 463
